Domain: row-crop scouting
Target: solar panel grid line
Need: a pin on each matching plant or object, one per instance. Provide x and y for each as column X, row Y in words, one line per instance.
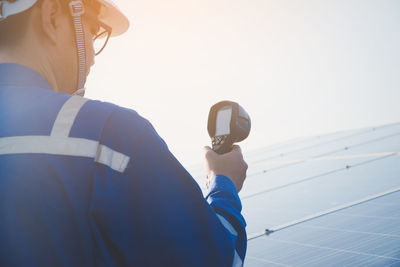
column 336, row 249
column 367, row 225
column 267, row 261
column 372, row 245
column 370, row 216
column 286, row 256
column 339, row 259
column 323, row 213
column 334, row 240
column 299, row 161
column 292, row 162
column 356, row 260
column 292, row 253
column 388, row 204
column 353, row 244
column 323, row 241
column 374, row 225
column 293, row 141
column 277, row 254
column 360, row 144
column 273, row 252
column 376, row 156
column 255, row 228
column 256, row 263
column 371, row 160
column 304, row 255
column 382, row 247
column 335, row 209
column 319, row 175
column 293, row 183
column 393, row 264
column 316, row 145
column 279, row 167
column 308, row 169
column 378, row 206
column 351, row 231
column 366, row 244
column 279, row 146
column 365, row 261
column 331, row 141
column 284, row 145
column 351, row 156
column 321, row 258
column 323, row 155
column 307, row 255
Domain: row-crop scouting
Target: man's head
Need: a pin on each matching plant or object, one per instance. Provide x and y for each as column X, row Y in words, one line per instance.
column 55, row 37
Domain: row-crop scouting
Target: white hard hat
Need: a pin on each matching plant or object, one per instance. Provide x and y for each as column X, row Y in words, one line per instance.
column 8, row 8
column 113, row 17
column 109, row 13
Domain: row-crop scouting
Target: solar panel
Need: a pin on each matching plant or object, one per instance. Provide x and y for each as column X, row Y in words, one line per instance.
column 287, row 188
column 362, row 235
column 304, row 177
column 324, row 144
column 270, row 208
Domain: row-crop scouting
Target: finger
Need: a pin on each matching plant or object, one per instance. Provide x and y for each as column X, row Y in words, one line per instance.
column 207, row 148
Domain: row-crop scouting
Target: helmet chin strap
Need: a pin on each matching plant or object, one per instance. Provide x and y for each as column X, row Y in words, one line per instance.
column 77, row 10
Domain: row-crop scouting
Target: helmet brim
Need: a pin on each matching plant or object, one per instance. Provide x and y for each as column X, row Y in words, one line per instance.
column 113, row 17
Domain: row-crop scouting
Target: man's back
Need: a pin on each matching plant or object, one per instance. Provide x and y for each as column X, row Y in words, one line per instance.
column 89, row 183
column 47, row 170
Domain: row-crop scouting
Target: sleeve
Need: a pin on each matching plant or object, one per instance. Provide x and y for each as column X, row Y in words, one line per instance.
column 154, row 213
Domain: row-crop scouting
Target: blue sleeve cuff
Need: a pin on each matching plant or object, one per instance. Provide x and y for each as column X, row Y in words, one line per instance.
column 224, row 199
column 223, row 183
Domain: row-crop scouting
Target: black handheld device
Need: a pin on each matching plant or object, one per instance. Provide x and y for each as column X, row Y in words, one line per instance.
column 228, row 123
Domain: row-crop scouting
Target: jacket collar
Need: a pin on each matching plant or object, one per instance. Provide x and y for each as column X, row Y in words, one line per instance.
column 12, row 74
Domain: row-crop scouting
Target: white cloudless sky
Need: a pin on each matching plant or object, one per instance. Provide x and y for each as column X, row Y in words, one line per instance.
column 300, row 67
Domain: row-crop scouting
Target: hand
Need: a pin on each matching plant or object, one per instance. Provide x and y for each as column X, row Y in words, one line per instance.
column 231, row 164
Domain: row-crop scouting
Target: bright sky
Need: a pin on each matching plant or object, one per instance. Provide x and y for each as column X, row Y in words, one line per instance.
column 298, row 67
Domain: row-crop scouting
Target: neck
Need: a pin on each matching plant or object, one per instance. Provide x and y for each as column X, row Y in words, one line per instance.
column 27, row 56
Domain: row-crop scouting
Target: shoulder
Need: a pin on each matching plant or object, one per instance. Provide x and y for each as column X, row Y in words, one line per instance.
column 122, row 128
column 118, row 116
column 125, row 121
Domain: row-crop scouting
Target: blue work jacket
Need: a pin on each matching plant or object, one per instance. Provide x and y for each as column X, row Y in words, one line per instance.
column 88, row 183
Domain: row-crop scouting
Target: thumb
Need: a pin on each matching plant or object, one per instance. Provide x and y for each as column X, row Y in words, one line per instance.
column 207, row 148
column 209, row 153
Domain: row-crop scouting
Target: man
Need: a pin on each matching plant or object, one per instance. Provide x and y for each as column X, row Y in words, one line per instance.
column 87, row 183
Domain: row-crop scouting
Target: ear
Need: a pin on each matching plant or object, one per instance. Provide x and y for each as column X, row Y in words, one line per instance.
column 51, row 18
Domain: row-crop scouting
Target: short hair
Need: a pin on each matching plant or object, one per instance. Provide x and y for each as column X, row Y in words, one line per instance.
column 13, row 29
